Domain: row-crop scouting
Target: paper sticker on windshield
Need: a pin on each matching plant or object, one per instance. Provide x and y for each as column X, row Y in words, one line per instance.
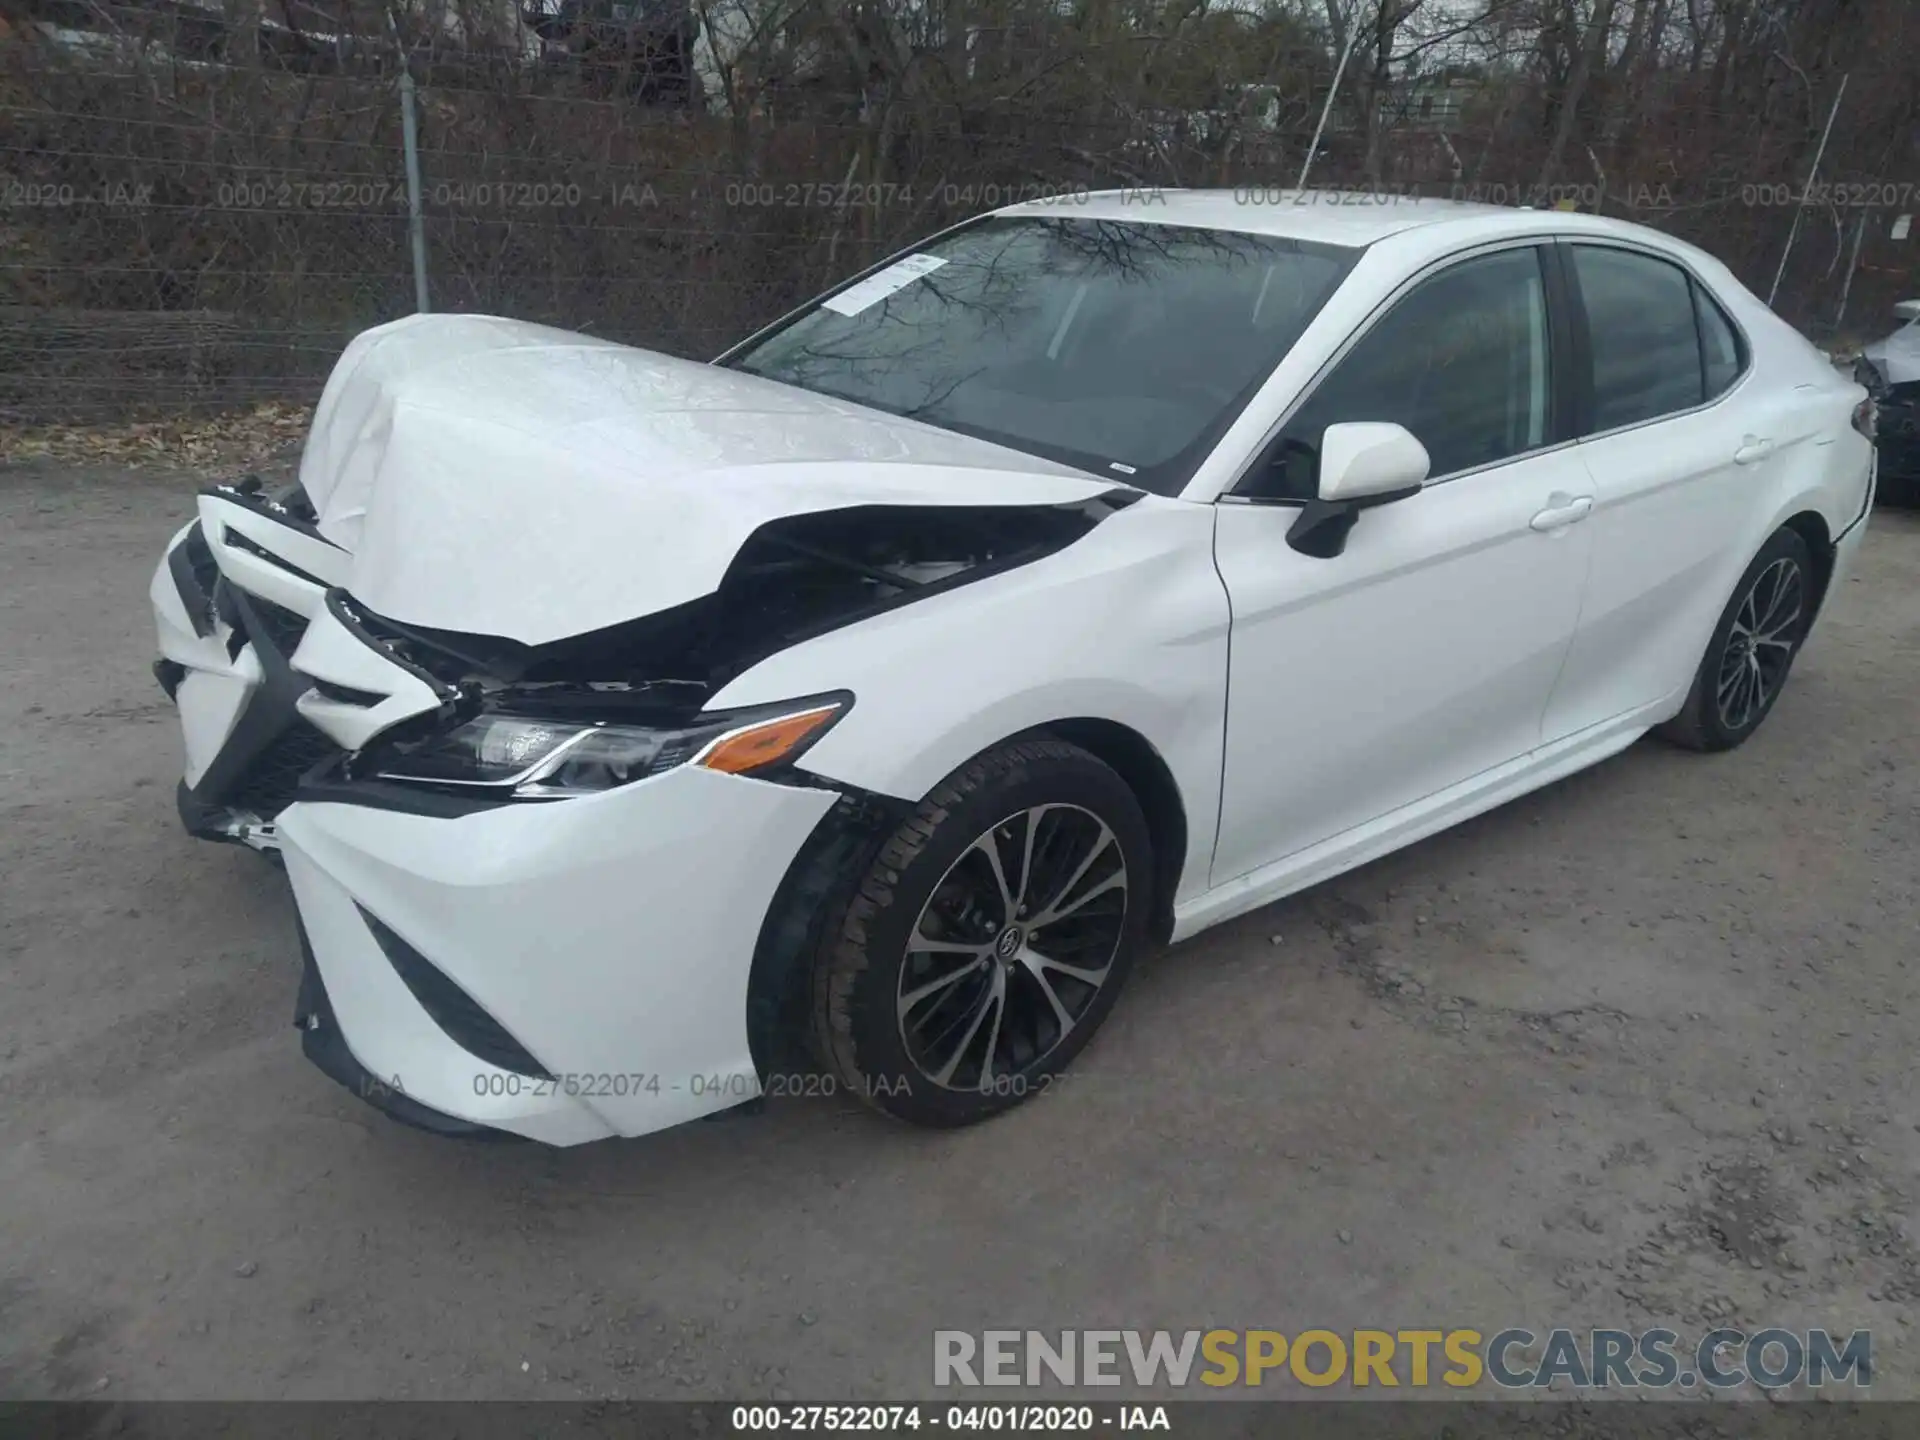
column 875, row 288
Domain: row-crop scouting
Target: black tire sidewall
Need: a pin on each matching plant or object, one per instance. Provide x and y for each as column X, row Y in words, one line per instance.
column 870, row 954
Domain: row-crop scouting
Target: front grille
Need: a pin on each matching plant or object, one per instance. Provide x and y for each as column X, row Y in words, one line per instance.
column 283, row 628
column 457, row 1013
column 267, row 784
column 266, row 787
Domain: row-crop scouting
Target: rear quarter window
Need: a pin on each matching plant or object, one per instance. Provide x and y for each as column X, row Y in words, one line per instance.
column 1722, row 357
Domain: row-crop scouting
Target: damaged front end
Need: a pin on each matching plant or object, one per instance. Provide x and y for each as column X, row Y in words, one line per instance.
column 478, row 719
column 232, row 599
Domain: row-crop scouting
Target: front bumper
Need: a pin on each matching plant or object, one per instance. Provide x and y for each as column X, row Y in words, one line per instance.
column 563, row 971
column 224, row 652
column 320, row 1039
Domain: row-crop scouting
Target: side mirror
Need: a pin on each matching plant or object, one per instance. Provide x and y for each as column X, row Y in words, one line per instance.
column 1361, row 465
column 1908, row 310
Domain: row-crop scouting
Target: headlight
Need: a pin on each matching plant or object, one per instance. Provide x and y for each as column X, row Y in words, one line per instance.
column 541, row 758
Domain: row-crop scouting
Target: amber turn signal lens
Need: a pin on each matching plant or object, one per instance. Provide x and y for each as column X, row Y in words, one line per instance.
column 766, row 743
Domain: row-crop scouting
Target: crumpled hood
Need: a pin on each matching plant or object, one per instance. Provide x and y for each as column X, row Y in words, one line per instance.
column 1897, row 356
column 501, row 478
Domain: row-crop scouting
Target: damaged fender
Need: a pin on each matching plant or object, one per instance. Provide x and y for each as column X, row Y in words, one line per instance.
column 1052, row 638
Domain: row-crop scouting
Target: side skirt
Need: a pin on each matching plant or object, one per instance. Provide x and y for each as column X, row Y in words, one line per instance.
column 1410, row 823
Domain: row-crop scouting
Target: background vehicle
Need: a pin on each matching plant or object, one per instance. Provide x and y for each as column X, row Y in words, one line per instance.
column 1890, row 370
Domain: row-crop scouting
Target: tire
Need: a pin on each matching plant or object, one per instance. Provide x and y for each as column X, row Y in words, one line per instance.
column 886, row 1010
column 1725, row 705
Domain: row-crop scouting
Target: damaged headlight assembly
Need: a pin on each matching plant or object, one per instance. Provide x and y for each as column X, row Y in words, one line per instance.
column 535, row 757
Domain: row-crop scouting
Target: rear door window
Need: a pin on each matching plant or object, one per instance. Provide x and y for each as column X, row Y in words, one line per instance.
column 1646, row 344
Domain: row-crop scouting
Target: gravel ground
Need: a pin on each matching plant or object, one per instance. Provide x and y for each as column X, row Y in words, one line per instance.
column 1633, row 1051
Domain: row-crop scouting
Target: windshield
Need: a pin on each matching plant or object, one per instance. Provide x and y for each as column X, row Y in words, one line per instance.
column 1123, row 349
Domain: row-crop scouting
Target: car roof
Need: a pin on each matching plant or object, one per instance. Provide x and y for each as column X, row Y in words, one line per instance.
column 1333, row 217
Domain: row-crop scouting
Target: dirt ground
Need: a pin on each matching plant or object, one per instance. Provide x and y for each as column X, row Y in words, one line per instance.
column 1637, row 1050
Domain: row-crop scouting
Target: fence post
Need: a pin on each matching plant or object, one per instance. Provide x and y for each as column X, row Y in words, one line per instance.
column 416, row 224
column 1346, row 53
column 1800, row 210
column 1853, row 264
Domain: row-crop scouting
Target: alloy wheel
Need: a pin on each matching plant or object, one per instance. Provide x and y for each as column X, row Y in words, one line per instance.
column 1760, row 644
column 1010, row 951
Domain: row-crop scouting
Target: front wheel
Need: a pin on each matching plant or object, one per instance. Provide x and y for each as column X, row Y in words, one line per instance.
column 1752, row 649
column 989, row 939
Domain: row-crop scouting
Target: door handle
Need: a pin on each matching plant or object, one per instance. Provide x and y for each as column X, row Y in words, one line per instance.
column 1567, row 512
column 1755, row 449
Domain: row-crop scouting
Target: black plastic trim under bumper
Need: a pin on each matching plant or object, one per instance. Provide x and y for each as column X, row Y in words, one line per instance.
column 201, row 818
column 323, row 1044
column 270, row 710
column 169, row 673
column 461, row 1018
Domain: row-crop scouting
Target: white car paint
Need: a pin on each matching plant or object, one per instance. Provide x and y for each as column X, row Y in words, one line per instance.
column 331, row 652
column 532, row 909
column 1502, row 628
column 1368, row 458
column 216, row 685
column 308, row 566
column 550, row 485
column 221, row 679
column 1128, row 625
column 1430, row 660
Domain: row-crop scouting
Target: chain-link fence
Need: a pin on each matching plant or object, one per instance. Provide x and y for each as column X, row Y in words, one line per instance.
column 189, row 223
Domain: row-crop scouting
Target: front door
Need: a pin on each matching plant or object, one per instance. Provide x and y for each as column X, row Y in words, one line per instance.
column 1425, row 653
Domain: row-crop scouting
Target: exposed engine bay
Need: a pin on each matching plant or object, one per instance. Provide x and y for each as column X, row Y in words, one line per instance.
column 795, row 577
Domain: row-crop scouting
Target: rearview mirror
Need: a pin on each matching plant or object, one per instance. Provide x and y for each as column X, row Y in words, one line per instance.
column 1361, row 465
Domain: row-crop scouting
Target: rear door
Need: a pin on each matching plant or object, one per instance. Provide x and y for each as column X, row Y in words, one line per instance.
column 1676, row 442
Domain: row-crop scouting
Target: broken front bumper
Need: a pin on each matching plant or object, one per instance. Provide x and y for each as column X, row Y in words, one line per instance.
column 224, row 652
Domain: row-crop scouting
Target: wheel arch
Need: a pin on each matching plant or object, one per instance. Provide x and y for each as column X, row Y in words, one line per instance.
column 848, row 837
column 1811, row 526
column 1135, row 760
column 842, row 845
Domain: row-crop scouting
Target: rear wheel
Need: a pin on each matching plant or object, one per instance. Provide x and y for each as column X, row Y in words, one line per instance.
column 1752, row 649
column 990, row 937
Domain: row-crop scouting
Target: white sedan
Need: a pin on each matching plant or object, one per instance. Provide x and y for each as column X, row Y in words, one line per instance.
column 632, row 729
